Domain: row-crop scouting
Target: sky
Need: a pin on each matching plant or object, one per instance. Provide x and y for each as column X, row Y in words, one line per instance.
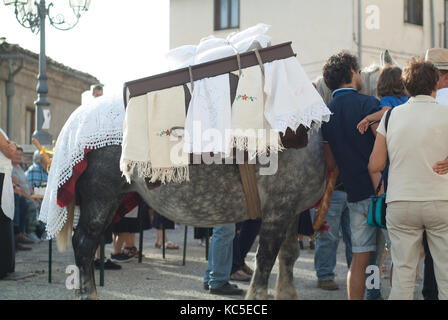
column 116, row 41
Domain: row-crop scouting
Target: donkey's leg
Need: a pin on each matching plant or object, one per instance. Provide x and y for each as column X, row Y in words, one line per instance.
column 272, row 235
column 289, row 252
column 96, row 215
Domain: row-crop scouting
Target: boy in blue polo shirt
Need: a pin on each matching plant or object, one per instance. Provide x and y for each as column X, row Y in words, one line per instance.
column 352, row 150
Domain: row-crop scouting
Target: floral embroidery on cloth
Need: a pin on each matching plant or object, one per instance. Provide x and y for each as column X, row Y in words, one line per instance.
column 164, row 133
column 245, row 97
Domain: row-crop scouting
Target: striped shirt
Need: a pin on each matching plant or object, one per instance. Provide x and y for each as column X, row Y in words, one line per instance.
column 37, row 176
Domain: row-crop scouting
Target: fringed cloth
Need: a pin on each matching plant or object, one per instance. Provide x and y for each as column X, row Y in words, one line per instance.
column 150, row 144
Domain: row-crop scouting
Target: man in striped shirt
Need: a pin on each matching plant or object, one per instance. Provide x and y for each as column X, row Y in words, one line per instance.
column 37, row 175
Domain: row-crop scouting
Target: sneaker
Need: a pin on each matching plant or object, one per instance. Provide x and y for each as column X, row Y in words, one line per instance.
column 108, row 265
column 240, row 275
column 247, row 269
column 227, row 290
column 34, row 237
column 120, row 257
column 329, row 285
column 206, row 286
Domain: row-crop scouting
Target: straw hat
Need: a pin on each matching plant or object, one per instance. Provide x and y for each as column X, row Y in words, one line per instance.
column 439, row 57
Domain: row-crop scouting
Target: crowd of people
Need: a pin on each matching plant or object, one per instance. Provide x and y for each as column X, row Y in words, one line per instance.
column 409, row 153
column 398, row 142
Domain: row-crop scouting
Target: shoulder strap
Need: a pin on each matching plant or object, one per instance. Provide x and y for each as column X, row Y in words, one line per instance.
column 387, row 118
column 382, row 176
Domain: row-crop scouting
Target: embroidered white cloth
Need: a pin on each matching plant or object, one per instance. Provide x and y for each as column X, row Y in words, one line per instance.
column 149, row 144
column 291, row 98
column 209, row 116
column 94, row 125
column 250, row 130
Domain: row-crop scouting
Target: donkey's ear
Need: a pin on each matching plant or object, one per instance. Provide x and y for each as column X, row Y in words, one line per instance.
column 386, row 59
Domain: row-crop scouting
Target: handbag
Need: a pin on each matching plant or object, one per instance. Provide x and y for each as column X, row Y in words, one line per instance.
column 376, row 217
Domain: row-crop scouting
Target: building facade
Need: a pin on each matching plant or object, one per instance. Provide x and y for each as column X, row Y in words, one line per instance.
column 319, row 28
column 18, row 81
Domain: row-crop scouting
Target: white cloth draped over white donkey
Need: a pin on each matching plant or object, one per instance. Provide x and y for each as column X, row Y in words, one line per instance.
column 266, row 104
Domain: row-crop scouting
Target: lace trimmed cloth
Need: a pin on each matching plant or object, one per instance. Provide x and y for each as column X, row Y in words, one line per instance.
column 291, row 99
column 94, row 125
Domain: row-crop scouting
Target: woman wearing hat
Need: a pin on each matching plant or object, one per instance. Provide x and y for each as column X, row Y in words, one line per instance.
column 439, row 57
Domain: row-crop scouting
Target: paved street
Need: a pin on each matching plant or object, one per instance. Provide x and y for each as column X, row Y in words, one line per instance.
column 158, row 278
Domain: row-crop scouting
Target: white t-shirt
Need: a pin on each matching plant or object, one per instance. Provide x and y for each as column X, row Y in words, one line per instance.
column 442, row 96
column 417, row 138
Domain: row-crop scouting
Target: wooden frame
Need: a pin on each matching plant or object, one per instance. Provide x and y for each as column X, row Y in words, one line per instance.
column 213, row 68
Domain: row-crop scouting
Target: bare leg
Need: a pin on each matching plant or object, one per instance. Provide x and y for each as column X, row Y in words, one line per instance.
column 159, row 237
column 159, row 240
column 356, row 278
column 118, row 244
column 130, row 242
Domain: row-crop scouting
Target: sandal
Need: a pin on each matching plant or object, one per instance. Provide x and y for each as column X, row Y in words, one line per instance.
column 170, row 245
column 158, row 245
column 132, row 252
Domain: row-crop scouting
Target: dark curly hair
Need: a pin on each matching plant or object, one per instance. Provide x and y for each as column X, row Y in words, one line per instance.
column 420, row 77
column 390, row 83
column 338, row 69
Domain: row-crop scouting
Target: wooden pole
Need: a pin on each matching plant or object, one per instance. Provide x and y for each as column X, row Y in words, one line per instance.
column 50, row 251
column 185, row 246
column 102, row 261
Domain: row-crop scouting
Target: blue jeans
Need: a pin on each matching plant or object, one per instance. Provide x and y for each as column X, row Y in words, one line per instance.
column 220, row 256
column 248, row 231
column 20, row 212
column 327, row 243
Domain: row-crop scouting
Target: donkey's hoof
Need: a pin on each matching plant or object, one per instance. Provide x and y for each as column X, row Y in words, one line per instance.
column 283, row 295
column 260, row 294
column 85, row 296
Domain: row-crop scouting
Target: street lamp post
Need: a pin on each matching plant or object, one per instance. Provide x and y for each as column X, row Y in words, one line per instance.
column 32, row 15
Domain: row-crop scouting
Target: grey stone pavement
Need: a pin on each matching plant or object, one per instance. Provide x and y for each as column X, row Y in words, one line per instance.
column 162, row 279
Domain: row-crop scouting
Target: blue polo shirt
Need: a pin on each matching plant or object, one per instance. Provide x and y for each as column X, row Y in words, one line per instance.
column 393, row 101
column 351, row 149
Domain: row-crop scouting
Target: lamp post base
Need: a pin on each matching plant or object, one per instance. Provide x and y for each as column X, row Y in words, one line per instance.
column 43, row 137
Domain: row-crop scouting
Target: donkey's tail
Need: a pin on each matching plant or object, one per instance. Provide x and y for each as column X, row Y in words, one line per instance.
column 64, row 237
